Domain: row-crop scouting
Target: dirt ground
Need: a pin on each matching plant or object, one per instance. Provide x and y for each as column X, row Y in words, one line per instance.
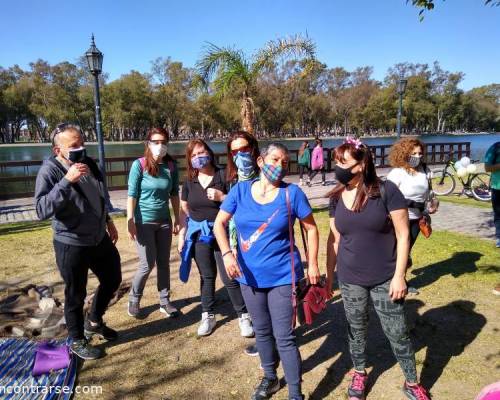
column 455, row 326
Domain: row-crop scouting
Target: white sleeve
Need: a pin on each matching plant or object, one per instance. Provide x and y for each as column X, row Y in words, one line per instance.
column 395, row 176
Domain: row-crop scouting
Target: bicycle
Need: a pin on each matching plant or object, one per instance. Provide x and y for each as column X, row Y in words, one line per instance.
column 477, row 185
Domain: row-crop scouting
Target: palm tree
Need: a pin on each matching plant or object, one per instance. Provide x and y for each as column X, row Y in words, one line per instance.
column 229, row 67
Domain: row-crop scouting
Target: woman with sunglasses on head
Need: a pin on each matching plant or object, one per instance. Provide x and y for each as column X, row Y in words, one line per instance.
column 202, row 193
column 264, row 210
column 153, row 182
column 369, row 220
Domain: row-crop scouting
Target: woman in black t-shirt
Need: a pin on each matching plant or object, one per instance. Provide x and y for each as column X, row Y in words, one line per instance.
column 369, row 221
column 202, row 193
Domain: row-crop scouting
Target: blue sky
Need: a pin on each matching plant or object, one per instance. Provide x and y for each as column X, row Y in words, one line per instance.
column 463, row 35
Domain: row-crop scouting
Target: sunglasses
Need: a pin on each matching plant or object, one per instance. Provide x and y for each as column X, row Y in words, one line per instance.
column 61, row 128
column 244, row 149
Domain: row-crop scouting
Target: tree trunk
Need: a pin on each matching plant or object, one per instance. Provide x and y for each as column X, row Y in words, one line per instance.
column 247, row 114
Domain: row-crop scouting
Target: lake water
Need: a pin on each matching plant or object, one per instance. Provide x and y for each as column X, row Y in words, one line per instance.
column 479, row 145
column 26, row 152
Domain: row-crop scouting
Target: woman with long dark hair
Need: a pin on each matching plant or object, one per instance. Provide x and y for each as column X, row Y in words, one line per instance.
column 369, row 220
column 153, row 182
column 203, row 191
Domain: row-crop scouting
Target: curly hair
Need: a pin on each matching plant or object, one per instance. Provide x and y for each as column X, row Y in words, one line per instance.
column 401, row 151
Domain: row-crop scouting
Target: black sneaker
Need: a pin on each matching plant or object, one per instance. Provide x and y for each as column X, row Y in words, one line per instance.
column 101, row 331
column 266, row 389
column 251, row 350
column 169, row 310
column 133, row 309
column 84, row 350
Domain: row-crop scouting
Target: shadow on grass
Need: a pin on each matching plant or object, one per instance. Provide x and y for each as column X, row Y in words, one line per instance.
column 23, row 227
column 444, row 331
column 463, row 262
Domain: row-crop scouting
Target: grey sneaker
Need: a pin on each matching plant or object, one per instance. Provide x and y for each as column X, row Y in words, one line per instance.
column 169, row 310
column 252, row 350
column 133, row 309
column 84, row 350
column 207, row 324
column 266, row 388
column 246, row 328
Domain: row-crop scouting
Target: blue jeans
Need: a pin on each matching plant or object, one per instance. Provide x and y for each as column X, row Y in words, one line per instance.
column 495, row 202
column 272, row 312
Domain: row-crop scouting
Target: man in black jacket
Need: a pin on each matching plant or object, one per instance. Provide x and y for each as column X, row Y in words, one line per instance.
column 69, row 189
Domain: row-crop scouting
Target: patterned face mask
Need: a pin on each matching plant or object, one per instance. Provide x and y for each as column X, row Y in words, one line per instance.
column 200, row 162
column 244, row 163
column 414, row 161
column 274, row 174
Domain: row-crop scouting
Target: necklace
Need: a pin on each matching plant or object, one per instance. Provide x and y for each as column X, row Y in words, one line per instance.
column 264, row 192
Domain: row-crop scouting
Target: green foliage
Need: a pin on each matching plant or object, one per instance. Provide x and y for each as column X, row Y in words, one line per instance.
column 290, row 97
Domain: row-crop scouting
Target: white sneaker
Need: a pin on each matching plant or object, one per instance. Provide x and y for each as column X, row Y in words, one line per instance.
column 207, row 324
column 301, row 182
column 246, row 327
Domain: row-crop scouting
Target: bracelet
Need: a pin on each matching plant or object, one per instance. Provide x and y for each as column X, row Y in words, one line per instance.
column 226, row 253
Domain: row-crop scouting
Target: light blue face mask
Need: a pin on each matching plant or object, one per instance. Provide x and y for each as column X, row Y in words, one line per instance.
column 244, row 163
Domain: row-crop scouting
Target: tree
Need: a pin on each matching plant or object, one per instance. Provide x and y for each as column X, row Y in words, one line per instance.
column 231, row 69
column 428, row 5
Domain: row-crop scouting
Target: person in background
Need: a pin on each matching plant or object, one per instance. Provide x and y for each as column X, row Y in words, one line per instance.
column 153, row 182
column 202, row 193
column 412, row 176
column 261, row 210
column 492, row 165
column 304, row 162
column 317, row 163
column 70, row 190
column 371, row 250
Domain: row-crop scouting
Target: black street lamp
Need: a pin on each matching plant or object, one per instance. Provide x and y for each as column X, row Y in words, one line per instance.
column 94, row 60
column 401, row 90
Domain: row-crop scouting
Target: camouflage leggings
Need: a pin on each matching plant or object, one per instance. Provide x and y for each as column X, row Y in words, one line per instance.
column 393, row 321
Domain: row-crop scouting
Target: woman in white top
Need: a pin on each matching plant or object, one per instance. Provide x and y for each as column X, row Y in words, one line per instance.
column 412, row 178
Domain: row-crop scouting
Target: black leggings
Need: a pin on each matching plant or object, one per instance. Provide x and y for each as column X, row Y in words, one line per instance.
column 208, row 258
column 314, row 172
column 303, row 169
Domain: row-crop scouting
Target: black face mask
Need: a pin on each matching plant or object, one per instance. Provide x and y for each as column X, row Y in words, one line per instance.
column 77, row 155
column 344, row 175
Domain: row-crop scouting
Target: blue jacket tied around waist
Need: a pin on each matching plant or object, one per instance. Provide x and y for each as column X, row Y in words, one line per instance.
column 206, row 235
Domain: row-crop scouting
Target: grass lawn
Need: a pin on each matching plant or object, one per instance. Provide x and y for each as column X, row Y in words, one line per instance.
column 465, row 201
column 455, row 325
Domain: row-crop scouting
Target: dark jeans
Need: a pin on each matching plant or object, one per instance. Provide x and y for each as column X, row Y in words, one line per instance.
column 495, row 202
column 414, row 231
column 392, row 318
column 272, row 312
column 74, row 263
column 208, row 258
column 314, row 172
column 303, row 169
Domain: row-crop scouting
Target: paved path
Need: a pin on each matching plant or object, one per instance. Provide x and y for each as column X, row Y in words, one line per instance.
column 457, row 218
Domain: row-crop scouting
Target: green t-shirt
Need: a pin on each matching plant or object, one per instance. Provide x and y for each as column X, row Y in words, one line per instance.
column 305, row 158
column 492, row 157
column 152, row 192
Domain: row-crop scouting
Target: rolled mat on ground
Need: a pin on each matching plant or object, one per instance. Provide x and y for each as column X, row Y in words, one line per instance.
column 17, row 357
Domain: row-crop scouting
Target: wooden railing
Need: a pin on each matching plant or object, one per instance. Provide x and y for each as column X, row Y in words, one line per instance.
column 17, row 178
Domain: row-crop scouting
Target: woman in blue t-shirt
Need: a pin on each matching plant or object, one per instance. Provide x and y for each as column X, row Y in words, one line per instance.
column 369, row 220
column 263, row 268
column 153, row 181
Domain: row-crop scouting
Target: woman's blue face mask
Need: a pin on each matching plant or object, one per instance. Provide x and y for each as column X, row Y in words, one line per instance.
column 244, row 163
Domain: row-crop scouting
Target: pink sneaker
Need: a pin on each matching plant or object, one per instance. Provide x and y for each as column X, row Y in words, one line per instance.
column 415, row 392
column 357, row 387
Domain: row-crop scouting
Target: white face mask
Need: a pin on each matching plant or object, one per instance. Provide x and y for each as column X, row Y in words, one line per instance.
column 158, row 150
